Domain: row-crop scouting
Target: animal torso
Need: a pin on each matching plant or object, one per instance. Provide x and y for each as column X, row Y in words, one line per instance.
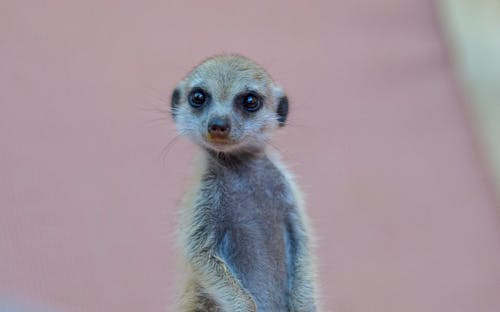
column 243, row 229
column 246, row 204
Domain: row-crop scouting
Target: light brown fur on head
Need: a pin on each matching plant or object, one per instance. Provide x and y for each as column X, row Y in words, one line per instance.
column 232, row 73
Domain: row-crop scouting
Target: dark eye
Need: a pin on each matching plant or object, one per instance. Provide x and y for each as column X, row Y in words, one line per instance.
column 251, row 102
column 198, row 97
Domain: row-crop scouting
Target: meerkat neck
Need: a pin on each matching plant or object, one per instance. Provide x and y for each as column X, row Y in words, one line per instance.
column 235, row 160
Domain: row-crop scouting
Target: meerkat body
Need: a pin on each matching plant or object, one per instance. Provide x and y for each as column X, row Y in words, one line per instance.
column 243, row 228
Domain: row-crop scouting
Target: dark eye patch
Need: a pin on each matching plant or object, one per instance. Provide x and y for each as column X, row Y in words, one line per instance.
column 198, row 97
column 250, row 101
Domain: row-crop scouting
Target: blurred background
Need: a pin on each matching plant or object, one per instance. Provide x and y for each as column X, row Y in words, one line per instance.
column 394, row 135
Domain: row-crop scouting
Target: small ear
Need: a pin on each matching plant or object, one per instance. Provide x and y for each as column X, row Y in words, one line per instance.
column 282, row 110
column 282, row 104
column 175, row 101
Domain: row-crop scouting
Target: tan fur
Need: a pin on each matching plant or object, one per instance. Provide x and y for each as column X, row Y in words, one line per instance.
column 207, row 271
column 209, row 284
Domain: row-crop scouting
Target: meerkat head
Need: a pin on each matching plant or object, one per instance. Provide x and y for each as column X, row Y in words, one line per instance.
column 229, row 104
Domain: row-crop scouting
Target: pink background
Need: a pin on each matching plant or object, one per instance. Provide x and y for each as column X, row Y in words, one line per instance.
column 378, row 137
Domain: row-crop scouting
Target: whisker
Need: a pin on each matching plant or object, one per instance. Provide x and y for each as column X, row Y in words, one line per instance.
column 158, row 93
column 156, row 110
column 295, row 125
column 166, row 149
column 156, row 96
column 155, row 120
column 276, row 147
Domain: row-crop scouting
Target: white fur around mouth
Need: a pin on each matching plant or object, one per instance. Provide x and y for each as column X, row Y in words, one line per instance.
column 221, row 146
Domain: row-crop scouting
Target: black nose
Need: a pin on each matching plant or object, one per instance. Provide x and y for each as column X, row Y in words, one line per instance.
column 219, row 126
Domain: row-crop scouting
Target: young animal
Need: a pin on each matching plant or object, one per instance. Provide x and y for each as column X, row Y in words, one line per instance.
column 243, row 228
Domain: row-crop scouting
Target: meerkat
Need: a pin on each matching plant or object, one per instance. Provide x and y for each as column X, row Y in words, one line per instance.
column 243, row 229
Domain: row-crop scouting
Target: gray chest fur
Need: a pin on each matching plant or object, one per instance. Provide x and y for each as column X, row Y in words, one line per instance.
column 248, row 203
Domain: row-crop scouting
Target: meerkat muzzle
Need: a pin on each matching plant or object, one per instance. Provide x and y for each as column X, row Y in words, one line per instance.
column 218, row 129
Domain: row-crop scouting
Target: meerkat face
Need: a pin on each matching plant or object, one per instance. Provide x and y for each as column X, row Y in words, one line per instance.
column 228, row 104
